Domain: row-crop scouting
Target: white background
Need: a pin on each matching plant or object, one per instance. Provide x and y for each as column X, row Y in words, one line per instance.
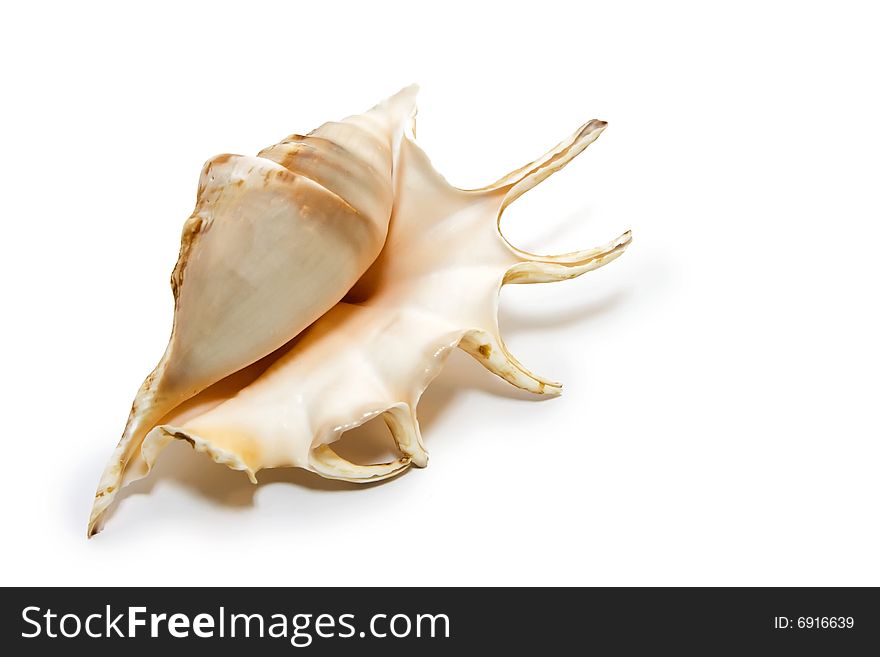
column 719, row 422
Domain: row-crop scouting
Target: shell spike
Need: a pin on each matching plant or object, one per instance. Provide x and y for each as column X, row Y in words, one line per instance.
column 145, row 412
column 518, row 182
column 404, row 428
column 491, row 353
column 393, row 117
column 329, row 464
column 401, row 107
column 549, row 269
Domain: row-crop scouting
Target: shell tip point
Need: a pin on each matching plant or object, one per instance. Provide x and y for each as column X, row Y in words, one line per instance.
column 409, row 92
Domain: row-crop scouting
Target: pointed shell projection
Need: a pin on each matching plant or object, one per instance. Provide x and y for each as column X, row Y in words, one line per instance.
column 275, row 241
column 434, row 287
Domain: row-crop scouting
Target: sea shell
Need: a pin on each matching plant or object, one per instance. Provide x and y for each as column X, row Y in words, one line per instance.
column 274, row 242
column 434, row 286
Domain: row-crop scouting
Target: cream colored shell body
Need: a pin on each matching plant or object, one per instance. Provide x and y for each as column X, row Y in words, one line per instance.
column 329, row 365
